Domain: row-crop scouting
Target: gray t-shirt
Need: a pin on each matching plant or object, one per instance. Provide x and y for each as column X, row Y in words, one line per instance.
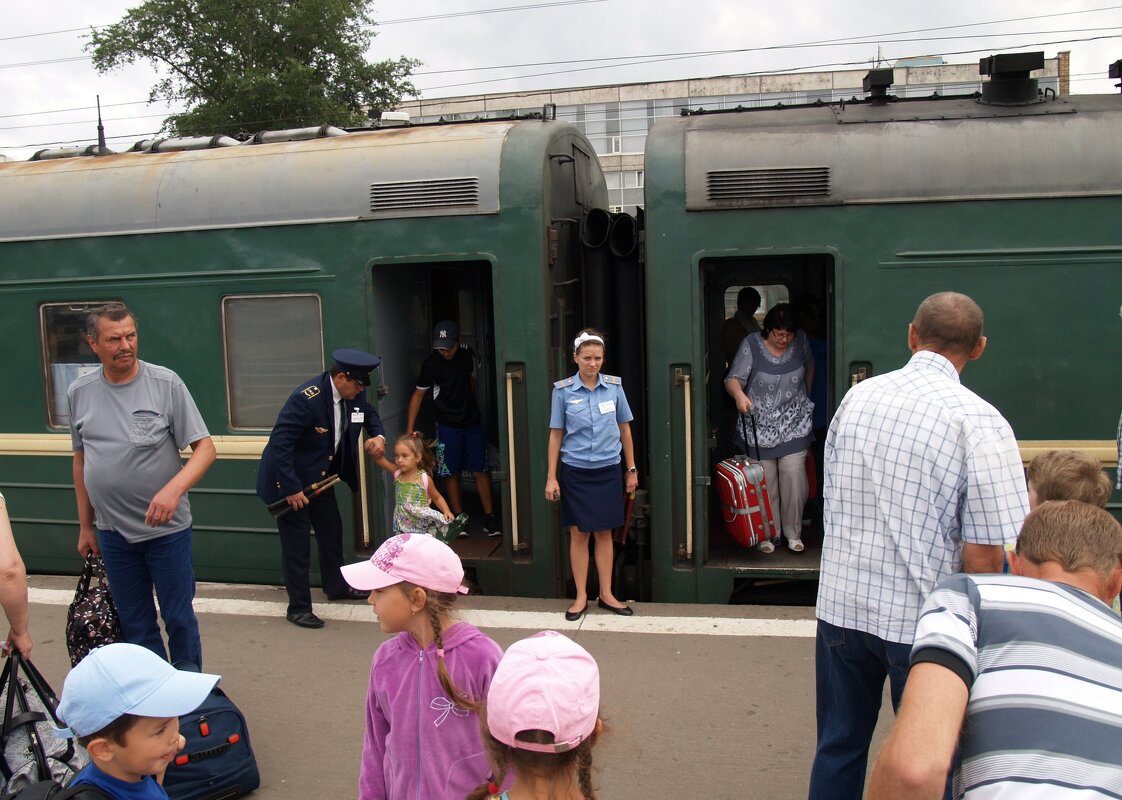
column 130, row 435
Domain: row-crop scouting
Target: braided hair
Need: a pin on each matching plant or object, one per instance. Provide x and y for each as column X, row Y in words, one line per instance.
column 555, row 767
column 438, row 606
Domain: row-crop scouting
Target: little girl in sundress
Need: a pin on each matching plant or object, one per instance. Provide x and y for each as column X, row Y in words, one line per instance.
column 413, row 464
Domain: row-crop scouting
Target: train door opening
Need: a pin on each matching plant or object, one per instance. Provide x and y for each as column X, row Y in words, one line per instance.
column 408, row 300
column 807, row 283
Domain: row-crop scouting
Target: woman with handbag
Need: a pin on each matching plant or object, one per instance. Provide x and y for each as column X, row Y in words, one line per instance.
column 771, row 377
column 13, row 586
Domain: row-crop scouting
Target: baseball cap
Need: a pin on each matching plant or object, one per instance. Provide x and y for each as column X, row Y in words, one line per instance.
column 120, row 679
column 445, row 334
column 413, row 557
column 355, row 364
column 545, row 683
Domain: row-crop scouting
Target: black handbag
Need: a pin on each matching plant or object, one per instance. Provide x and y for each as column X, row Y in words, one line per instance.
column 30, row 751
column 91, row 620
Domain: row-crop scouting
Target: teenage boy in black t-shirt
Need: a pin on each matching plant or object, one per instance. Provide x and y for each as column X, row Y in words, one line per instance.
column 447, row 372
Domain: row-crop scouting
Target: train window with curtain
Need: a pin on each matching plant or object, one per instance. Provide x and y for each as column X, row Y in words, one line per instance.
column 272, row 343
column 66, row 354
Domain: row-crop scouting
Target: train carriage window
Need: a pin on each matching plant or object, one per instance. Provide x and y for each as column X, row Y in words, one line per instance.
column 271, row 343
column 66, row 355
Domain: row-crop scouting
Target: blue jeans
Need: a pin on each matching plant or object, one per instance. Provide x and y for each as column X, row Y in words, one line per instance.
column 165, row 563
column 850, row 668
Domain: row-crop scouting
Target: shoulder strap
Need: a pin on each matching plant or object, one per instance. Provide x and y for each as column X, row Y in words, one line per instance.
column 83, row 791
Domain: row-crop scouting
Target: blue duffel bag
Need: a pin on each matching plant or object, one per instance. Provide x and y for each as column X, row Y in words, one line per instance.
column 217, row 762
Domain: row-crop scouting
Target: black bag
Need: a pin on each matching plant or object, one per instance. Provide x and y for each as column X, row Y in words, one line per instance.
column 217, row 763
column 52, row 790
column 92, row 618
column 30, row 751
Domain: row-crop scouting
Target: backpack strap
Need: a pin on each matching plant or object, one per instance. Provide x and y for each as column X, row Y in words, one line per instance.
column 83, row 791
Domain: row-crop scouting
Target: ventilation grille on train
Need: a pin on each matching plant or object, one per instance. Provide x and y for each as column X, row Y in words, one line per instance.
column 767, row 185
column 404, row 195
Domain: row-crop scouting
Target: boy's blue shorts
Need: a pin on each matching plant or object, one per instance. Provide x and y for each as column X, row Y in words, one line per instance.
column 464, row 448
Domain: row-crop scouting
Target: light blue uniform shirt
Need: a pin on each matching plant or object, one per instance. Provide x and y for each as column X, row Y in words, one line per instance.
column 591, row 420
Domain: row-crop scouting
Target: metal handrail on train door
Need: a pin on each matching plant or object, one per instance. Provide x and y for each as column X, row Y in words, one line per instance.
column 682, row 378
column 361, row 456
column 511, row 377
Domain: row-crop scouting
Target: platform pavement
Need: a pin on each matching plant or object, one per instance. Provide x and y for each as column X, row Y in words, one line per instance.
column 706, row 701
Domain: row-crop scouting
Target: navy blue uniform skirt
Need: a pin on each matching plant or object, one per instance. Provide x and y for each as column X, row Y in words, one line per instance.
column 591, row 499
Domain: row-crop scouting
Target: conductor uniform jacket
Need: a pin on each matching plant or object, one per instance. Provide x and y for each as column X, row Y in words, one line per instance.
column 302, row 444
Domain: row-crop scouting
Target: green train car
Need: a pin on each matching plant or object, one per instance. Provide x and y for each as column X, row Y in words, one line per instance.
column 246, row 262
column 867, row 207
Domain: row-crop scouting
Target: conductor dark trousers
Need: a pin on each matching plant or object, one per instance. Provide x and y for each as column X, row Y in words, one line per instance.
column 322, row 515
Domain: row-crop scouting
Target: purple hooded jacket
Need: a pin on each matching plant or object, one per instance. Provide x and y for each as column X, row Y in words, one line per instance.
column 418, row 745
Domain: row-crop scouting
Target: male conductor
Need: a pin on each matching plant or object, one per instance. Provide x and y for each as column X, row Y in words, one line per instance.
column 316, row 436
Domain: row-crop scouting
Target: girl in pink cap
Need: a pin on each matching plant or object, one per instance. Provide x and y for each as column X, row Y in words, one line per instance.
column 542, row 718
column 422, row 733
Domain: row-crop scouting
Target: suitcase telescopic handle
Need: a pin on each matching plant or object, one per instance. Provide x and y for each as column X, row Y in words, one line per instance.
column 744, row 433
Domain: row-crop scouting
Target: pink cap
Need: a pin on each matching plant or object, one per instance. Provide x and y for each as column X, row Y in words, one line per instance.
column 545, row 683
column 419, row 559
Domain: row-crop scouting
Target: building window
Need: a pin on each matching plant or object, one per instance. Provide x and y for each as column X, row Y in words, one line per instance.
column 272, row 343
column 66, row 354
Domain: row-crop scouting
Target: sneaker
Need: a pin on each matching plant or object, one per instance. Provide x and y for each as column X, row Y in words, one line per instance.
column 766, row 546
column 490, row 526
column 458, row 527
column 795, row 545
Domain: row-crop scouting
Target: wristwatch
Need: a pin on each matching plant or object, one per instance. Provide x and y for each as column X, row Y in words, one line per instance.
column 631, row 470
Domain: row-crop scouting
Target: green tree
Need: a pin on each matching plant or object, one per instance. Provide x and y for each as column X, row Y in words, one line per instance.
column 245, row 67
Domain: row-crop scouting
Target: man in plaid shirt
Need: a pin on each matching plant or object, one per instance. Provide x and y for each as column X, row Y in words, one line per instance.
column 923, row 479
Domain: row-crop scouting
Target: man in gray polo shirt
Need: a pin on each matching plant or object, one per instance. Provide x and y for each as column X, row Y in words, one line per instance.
column 128, row 423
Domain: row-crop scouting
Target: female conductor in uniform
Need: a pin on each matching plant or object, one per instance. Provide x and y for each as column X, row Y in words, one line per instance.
column 589, row 429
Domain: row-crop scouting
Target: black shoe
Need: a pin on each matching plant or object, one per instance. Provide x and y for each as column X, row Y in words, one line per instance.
column 457, row 528
column 305, row 619
column 491, row 526
column 574, row 616
column 623, row 611
column 349, row 594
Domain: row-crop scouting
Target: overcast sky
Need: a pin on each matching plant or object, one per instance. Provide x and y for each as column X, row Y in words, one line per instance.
column 49, row 104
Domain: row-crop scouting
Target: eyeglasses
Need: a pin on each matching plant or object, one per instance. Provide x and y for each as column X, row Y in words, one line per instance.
column 778, row 334
column 359, row 382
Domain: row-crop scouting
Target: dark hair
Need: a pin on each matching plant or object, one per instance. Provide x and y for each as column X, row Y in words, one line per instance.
column 949, row 322
column 115, row 731
column 551, row 766
column 747, row 300
column 780, row 317
column 114, row 312
column 590, row 332
column 438, row 605
column 423, row 448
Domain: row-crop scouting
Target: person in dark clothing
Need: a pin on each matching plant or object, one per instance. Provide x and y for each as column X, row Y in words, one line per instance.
column 316, row 435
column 448, row 374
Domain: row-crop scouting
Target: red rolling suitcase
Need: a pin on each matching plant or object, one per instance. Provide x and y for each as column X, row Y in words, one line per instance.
column 745, row 503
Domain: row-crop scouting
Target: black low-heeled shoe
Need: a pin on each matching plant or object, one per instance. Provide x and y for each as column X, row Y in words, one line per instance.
column 623, row 611
column 574, row 616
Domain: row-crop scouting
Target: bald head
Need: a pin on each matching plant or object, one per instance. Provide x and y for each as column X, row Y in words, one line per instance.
column 948, row 323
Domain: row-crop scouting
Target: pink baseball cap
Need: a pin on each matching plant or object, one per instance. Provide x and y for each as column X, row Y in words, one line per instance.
column 545, row 683
column 419, row 559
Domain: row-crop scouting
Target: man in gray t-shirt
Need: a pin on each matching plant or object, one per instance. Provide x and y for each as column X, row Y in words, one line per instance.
column 128, row 423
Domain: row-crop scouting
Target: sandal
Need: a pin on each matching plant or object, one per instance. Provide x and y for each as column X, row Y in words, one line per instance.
column 796, row 545
column 766, row 546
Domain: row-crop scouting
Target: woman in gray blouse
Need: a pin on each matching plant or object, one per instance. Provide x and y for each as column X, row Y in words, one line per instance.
column 771, row 377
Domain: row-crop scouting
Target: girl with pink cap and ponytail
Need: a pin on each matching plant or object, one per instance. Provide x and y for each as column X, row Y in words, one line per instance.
column 422, row 733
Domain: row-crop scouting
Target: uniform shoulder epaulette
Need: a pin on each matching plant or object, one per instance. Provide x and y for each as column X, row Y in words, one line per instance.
column 611, row 379
column 310, row 391
column 561, row 384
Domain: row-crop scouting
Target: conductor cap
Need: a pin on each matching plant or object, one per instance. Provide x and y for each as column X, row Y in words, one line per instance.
column 355, row 364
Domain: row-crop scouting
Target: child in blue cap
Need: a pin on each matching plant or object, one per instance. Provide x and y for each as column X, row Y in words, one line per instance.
column 122, row 703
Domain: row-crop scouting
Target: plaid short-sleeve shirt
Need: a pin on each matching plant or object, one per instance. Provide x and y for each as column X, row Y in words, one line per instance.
column 916, row 465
